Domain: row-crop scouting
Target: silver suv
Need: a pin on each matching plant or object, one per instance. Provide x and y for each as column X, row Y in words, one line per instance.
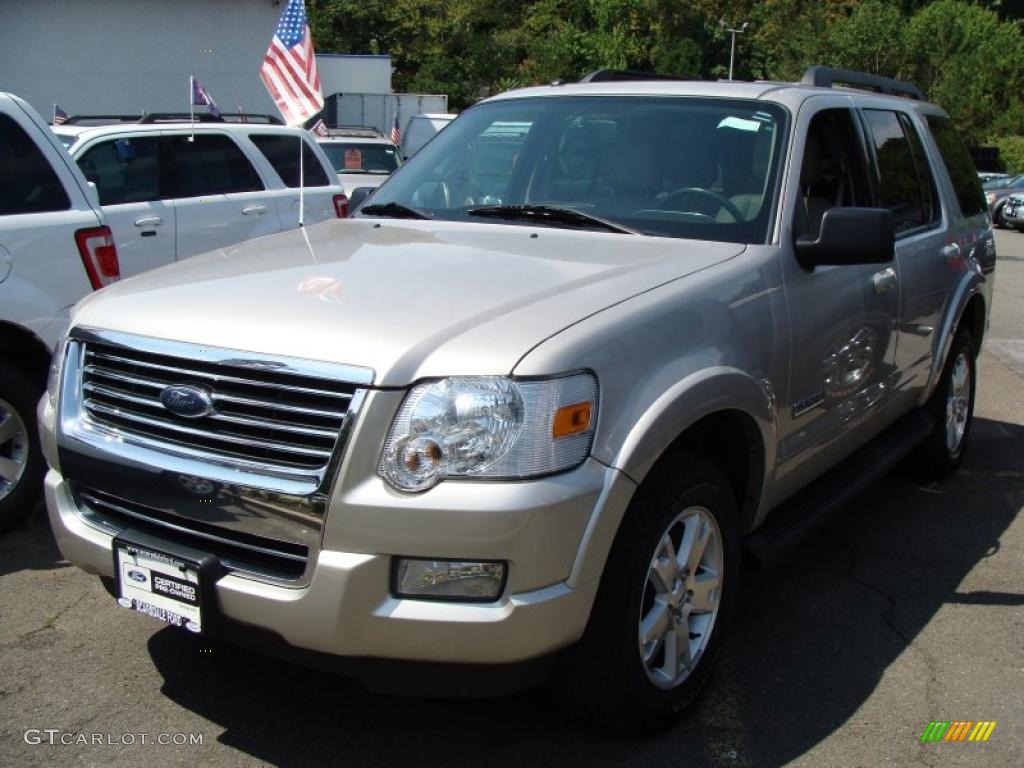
column 537, row 396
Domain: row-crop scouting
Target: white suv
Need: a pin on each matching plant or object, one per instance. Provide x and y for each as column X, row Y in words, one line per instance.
column 361, row 157
column 54, row 249
column 171, row 190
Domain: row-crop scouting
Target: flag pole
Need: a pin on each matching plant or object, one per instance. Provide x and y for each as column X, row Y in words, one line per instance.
column 302, row 180
column 54, row 113
column 191, row 107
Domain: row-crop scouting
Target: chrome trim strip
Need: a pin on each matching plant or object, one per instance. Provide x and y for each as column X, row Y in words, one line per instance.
column 191, row 531
column 93, row 370
column 248, row 421
column 192, row 372
column 351, row 374
column 96, row 407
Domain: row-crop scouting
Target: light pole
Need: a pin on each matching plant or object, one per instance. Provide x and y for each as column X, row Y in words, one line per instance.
column 732, row 47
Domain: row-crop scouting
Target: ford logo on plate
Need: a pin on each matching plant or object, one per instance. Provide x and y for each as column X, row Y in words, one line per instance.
column 185, row 400
column 138, row 576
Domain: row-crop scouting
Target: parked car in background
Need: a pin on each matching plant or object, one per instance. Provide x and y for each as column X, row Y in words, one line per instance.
column 172, row 189
column 421, row 129
column 55, row 248
column 1013, row 211
column 988, row 177
column 360, row 156
column 530, row 403
column 996, row 193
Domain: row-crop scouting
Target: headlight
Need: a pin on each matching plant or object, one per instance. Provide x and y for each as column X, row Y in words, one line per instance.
column 489, row 426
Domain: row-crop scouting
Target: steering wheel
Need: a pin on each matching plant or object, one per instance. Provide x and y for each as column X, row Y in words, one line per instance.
column 681, row 194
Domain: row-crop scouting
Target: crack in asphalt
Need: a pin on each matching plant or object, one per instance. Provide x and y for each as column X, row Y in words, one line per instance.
column 19, row 641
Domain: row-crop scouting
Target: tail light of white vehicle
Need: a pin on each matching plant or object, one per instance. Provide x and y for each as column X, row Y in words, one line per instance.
column 341, row 206
column 99, row 255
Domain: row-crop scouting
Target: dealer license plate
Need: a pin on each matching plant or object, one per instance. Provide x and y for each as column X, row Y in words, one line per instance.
column 159, row 585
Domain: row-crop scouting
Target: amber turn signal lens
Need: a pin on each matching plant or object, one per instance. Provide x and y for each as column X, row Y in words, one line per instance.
column 571, row 420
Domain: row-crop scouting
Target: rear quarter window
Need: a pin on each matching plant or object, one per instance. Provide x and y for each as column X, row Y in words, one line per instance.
column 283, row 154
column 27, row 182
column 959, row 165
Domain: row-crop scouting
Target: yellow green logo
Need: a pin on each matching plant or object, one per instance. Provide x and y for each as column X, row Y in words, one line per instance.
column 958, row 730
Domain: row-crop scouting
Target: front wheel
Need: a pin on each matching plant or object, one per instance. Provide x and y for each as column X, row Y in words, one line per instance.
column 951, row 407
column 21, row 461
column 664, row 601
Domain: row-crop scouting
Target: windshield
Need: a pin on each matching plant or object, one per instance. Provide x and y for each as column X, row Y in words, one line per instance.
column 669, row 166
column 1005, row 181
column 354, row 157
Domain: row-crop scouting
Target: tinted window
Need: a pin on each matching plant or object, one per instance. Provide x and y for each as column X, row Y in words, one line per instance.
column 283, row 153
column 27, row 182
column 352, row 157
column 211, row 165
column 899, row 187
column 124, row 170
column 673, row 167
column 959, row 165
column 924, row 171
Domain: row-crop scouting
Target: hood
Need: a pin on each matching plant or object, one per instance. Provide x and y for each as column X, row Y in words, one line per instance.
column 408, row 299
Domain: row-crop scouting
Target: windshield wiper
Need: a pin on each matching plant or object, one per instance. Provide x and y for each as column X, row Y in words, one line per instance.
column 395, row 210
column 550, row 214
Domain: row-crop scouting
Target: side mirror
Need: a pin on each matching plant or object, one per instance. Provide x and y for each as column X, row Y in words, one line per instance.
column 849, row 236
column 358, row 197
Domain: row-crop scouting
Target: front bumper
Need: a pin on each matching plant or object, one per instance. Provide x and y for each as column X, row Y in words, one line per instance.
column 346, row 608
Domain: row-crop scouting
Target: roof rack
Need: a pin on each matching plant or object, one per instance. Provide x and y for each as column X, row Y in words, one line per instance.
column 615, row 75
column 354, row 131
column 173, row 117
column 826, row 77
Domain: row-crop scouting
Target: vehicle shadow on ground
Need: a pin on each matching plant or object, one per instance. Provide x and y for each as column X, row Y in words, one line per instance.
column 811, row 642
column 30, row 546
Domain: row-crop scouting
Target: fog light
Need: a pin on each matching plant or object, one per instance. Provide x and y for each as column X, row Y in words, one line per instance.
column 449, row 579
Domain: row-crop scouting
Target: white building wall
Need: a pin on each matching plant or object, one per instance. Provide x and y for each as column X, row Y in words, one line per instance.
column 348, row 73
column 123, row 56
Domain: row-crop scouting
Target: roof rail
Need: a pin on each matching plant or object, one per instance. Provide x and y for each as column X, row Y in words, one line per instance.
column 825, row 77
column 355, row 131
column 173, row 117
column 615, row 75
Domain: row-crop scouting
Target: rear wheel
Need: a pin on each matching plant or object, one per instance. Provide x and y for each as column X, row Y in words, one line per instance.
column 21, row 461
column 951, row 407
column 665, row 599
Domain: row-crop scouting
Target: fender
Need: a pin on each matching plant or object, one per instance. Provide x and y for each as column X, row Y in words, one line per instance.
column 967, row 289
column 700, row 394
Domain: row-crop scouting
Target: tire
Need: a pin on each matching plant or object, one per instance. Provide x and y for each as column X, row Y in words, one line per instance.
column 609, row 678
column 951, row 407
column 21, row 460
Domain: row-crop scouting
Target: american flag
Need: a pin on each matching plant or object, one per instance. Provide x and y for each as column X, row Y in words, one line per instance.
column 289, row 67
column 59, row 115
column 396, row 133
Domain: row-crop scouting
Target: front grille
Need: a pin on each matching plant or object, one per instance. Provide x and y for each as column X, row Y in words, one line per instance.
column 238, row 551
column 260, row 415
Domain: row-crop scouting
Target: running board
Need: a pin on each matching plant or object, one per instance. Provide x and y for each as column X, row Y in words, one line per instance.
column 787, row 526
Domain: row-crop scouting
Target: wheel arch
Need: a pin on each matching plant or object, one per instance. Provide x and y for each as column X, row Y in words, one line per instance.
column 971, row 313
column 24, row 350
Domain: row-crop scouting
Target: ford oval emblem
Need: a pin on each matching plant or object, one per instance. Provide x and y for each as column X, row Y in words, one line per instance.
column 138, row 576
column 186, row 400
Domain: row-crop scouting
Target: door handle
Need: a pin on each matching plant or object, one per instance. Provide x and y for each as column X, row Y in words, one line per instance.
column 885, row 280
column 950, row 252
column 255, row 209
column 150, row 221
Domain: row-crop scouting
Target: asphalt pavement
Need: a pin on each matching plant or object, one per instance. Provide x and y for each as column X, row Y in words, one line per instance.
column 907, row 608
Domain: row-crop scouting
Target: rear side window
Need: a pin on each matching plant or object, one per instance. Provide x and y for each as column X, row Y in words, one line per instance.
column 283, row 153
column 124, row 170
column 900, row 187
column 27, row 182
column 959, row 165
column 211, row 165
